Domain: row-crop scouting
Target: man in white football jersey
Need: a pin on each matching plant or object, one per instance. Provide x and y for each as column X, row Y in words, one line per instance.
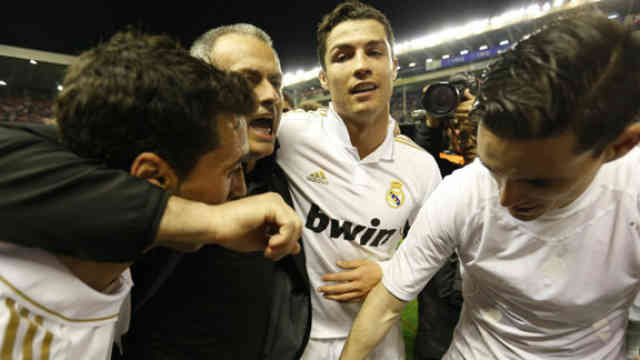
column 546, row 222
column 354, row 183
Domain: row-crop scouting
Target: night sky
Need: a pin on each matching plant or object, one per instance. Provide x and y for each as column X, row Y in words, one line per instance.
column 65, row 28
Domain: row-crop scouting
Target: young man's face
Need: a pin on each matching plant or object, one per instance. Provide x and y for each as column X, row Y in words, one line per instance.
column 359, row 70
column 218, row 176
column 255, row 60
column 535, row 176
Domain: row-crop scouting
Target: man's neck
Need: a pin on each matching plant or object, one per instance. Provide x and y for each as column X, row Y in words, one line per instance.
column 366, row 136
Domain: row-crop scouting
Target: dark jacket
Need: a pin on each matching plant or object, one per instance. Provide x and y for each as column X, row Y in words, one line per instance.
column 55, row 200
column 220, row 304
column 225, row 305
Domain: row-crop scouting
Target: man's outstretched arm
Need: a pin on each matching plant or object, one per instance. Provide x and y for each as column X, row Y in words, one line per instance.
column 256, row 223
column 378, row 314
column 55, row 200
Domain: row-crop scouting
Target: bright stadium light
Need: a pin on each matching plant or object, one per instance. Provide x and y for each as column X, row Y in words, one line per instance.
column 412, row 64
column 613, row 16
column 429, row 60
column 558, row 3
column 504, row 42
column 533, row 10
column 546, row 7
column 60, row 88
column 464, row 52
column 33, row 62
column 446, row 56
column 483, row 47
column 3, row 83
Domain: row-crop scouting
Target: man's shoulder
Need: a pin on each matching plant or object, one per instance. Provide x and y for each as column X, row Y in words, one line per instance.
column 411, row 153
column 16, row 130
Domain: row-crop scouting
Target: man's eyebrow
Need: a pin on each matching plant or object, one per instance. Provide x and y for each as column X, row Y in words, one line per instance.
column 341, row 46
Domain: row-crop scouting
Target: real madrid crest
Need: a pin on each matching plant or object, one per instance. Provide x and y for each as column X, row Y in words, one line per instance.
column 395, row 195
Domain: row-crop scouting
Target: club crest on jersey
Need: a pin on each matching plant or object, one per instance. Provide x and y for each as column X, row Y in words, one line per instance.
column 318, row 177
column 395, row 195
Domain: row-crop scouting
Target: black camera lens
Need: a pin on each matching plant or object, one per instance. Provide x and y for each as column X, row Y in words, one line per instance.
column 441, row 99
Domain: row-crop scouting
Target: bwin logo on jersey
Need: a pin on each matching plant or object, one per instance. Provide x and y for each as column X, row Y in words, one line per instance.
column 395, row 195
column 318, row 221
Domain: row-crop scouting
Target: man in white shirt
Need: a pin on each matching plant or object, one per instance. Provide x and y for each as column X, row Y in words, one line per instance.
column 356, row 185
column 545, row 222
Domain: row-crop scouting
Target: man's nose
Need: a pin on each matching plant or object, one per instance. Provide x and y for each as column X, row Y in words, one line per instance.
column 268, row 95
column 362, row 66
column 510, row 193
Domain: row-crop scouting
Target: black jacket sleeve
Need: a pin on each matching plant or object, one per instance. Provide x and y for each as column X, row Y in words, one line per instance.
column 431, row 139
column 52, row 199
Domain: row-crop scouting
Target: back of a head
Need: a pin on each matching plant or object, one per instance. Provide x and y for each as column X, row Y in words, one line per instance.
column 579, row 74
column 141, row 93
column 203, row 46
column 346, row 11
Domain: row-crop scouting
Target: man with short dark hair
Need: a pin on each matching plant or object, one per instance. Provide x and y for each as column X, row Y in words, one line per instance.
column 545, row 221
column 353, row 181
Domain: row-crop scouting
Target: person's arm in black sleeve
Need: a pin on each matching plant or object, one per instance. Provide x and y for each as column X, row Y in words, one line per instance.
column 430, row 136
column 57, row 201
column 52, row 199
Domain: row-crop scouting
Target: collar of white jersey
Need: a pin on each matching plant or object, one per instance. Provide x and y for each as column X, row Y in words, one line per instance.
column 335, row 126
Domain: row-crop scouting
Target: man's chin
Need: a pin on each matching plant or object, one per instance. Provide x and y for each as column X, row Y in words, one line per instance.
column 261, row 149
column 526, row 215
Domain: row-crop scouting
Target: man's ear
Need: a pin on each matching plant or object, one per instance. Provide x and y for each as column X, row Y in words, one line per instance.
column 322, row 76
column 395, row 69
column 155, row 170
column 626, row 141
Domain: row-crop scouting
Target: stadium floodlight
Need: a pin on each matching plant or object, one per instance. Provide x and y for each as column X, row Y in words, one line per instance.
column 464, row 52
column 446, row 56
column 504, row 42
column 558, row 3
column 546, row 7
column 473, row 28
column 613, row 16
column 412, row 64
column 483, row 47
column 429, row 60
column 60, row 88
column 3, row 83
column 33, row 62
column 533, row 10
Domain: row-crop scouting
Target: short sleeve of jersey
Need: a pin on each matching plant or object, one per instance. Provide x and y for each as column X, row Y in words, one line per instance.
column 433, row 237
column 52, row 199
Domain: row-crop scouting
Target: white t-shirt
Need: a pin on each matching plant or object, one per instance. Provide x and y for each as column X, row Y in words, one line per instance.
column 352, row 208
column 558, row 287
column 48, row 313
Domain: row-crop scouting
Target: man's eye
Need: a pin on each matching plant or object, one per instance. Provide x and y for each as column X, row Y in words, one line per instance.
column 339, row 58
column 252, row 78
column 538, row 182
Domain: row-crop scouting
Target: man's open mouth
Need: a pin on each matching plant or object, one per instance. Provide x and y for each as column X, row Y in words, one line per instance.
column 262, row 125
column 362, row 88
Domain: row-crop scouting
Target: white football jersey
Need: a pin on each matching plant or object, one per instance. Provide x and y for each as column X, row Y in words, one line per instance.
column 48, row 313
column 352, row 208
column 556, row 287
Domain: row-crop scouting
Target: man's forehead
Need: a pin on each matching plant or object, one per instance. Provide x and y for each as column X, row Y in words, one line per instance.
column 243, row 52
column 356, row 32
